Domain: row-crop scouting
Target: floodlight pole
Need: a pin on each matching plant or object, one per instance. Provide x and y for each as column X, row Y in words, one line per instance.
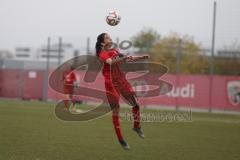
column 212, row 55
column 45, row 85
column 59, row 50
column 178, row 67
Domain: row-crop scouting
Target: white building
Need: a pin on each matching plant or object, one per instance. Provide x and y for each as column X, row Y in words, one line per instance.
column 40, row 54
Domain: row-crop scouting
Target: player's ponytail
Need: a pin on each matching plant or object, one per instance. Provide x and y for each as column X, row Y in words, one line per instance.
column 98, row 46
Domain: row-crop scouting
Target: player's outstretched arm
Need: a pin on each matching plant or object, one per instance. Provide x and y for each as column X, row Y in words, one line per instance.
column 128, row 58
column 116, row 60
column 136, row 58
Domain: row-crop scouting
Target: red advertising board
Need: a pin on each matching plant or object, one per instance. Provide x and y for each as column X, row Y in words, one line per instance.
column 194, row 91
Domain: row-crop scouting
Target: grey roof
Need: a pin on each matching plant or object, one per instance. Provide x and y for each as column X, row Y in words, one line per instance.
column 35, row 65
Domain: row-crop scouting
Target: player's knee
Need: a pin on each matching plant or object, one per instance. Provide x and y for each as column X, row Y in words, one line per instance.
column 135, row 102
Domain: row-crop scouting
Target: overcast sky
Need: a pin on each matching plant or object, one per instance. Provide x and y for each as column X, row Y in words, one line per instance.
column 30, row 22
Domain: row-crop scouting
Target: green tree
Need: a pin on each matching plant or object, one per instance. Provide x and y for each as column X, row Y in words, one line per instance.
column 192, row 61
column 145, row 40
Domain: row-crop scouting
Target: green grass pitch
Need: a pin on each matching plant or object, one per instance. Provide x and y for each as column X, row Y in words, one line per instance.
column 30, row 131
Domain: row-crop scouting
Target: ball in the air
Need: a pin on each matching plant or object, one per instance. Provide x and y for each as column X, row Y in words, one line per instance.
column 113, row 18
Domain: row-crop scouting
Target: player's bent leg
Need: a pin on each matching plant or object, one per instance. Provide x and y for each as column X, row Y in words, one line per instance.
column 136, row 115
column 132, row 100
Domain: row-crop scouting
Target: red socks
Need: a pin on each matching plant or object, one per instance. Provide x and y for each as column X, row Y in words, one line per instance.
column 136, row 117
column 116, row 123
column 115, row 120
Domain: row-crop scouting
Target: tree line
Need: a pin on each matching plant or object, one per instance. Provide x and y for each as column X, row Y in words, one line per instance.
column 192, row 58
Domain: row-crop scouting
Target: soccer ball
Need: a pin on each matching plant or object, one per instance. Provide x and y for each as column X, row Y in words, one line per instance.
column 113, row 18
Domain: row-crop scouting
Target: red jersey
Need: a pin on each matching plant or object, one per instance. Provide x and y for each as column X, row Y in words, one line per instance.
column 69, row 78
column 115, row 81
column 116, row 73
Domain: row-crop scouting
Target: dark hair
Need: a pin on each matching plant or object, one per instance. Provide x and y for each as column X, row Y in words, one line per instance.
column 98, row 46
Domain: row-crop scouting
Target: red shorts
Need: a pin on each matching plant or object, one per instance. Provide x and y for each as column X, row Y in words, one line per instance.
column 68, row 89
column 117, row 88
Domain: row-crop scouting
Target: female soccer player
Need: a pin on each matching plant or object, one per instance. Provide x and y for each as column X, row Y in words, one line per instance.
column 69, row 79
column 116, row 84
